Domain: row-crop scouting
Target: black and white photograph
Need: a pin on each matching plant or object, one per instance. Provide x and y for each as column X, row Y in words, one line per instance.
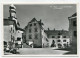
column 40, row 29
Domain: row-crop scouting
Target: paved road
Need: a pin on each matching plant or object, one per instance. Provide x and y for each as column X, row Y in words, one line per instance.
column 39, row 51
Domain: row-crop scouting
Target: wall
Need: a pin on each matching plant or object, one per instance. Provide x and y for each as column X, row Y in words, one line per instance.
column 61, row 41
column 37, row 42
column 9, row 35
column 19, row 35
column 71, row 31
column 8, row 32
column 44, row 39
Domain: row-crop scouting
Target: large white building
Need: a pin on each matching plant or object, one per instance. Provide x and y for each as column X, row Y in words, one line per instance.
column 9, row 31
column 58, row 38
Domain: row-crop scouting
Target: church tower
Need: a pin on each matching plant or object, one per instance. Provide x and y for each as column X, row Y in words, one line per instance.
column 12, row 12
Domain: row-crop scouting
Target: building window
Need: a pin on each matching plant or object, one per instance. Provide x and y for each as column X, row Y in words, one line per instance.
column 59, row 45
column 74, row 23
column 58, row 40
column 18, row 31
column 5, row 43
column 34, row 24
column 53, row 36
column 36, row 36
column 35, row 29
column 18, row 39
column 64, row 36
column 64, row 40
column 59, row 33
column 11, row 38
column 30, row 36
column 13, row 31
column 75, row 33
column 30, row 25
column 11, row 28
column 29, row 30
column 58, row 36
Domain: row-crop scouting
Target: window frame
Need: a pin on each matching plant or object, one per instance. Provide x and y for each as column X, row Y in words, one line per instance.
column 18, row 39
column 36, row 36
column 36, row 29
column 75, row 33
column 58, row 40
column 30, row 25
column 58, row 36
column 74, row 23
column 64, row 40
column 53, row 36
column 30, row 36
column 64, row 36
column 34, row 24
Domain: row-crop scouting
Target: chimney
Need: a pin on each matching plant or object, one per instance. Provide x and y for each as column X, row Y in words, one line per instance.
column 62, row 29
column 40, row 20
column 48, row 29
column 54, row 29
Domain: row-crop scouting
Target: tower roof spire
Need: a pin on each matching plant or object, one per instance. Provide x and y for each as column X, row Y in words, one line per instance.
column 12, row 5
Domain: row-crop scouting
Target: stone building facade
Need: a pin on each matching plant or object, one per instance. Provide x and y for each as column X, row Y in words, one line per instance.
column 73, row 30
column 35, row 34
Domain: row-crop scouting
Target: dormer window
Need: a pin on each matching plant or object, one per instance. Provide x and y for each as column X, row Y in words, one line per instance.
column 59, row 33
column 30, row 25
column 53, row 36
column 34, row 24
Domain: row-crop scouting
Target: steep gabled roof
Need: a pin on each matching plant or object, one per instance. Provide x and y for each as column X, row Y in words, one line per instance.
column 56, row 32
column 34, row 19
column 75, row 14
column 9, row 22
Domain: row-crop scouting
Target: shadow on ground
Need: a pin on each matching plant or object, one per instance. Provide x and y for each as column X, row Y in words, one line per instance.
column 71, row 51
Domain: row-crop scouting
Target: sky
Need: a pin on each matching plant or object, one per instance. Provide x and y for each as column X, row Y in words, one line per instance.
column 52, row 15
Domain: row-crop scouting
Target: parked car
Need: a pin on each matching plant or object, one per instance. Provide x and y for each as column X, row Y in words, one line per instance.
column 14, row 51
column 7, row 49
